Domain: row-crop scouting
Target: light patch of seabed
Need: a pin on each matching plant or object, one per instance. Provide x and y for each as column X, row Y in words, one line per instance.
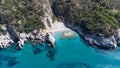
column 71, row 53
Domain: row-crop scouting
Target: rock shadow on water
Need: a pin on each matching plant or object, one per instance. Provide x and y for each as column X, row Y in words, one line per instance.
column 6, row 55
column 11, row 61
column 73, row 65
column 51, row 52
column 38, row 48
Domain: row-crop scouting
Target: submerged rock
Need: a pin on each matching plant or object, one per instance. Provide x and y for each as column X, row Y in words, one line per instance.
column 38, row 49
column 51, row 53
column 68, row 35
column 12, row 63
column 1, row 63
column 73, row 65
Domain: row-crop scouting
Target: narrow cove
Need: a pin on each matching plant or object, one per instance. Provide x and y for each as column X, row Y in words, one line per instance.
column 69, row 53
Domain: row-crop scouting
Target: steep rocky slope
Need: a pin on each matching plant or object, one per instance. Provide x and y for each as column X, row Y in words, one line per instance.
column 23, row 20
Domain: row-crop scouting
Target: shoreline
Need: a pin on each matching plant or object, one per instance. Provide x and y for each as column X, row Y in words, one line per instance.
column 34, row 37
column 91, row 41
column 40, row 37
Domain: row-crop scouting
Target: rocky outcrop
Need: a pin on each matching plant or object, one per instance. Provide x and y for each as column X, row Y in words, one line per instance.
column 13, row 35
column 50, row 40
column 47, row 20
column 5, row 41
column 102, row 43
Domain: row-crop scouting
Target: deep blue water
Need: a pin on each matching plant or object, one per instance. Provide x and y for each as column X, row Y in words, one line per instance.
column 69, row 53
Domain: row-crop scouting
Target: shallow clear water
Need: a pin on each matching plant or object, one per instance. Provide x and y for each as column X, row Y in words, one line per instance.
column 69, row 53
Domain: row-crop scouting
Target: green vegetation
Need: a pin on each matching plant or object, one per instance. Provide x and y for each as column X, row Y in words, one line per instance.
column 94, row 17
column 24, row 15
column 32, row 24
column 54, row 18
column 4, row 32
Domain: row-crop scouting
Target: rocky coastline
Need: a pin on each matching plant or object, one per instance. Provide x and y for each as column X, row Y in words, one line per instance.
column 34, row 37
column 46, row 36
column 98, row 42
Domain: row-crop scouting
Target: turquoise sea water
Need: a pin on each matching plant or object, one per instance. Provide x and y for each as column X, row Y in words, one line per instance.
column 69, row 53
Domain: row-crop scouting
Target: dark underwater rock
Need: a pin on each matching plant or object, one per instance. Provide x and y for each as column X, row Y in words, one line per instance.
column 11, row 60
column 12, row 63
column 1, row 63
column 37, row 51
column 51, row 52
column 73, row 65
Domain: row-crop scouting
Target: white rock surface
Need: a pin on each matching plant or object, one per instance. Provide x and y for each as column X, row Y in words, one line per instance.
column 5, row 41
